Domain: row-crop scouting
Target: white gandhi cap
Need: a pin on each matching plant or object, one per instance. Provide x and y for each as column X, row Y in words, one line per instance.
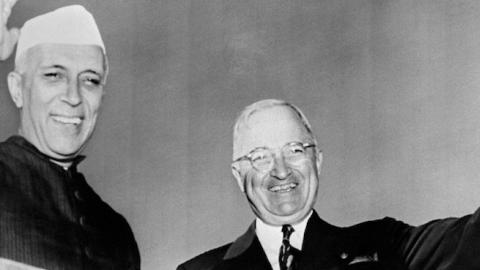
column 66, row 25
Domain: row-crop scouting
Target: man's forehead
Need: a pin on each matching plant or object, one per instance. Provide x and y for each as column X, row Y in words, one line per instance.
column 272, row 127
column 83, row 56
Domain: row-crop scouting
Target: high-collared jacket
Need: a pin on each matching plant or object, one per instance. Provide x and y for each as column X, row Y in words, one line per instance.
column 50, row 218
column 380, row 244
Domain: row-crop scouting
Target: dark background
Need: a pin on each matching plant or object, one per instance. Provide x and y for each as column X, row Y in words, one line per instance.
column 391, row 88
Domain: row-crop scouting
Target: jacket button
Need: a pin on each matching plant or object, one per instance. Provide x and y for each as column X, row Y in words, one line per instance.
column 88, row 253
column 82, row 220
column 78, row 195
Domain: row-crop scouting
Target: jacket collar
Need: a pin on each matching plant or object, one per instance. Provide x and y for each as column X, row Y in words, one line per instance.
column 324, row 247
column 23, row 143
column 242, row 243
column 319, row 236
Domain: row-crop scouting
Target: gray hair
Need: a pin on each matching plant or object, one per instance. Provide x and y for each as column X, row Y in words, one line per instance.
column 242, row 119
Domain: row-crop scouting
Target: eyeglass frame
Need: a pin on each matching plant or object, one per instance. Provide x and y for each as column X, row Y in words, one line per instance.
column 248, row 156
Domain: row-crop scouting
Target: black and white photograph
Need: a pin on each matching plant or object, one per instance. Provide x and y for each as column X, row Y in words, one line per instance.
column 239, row 135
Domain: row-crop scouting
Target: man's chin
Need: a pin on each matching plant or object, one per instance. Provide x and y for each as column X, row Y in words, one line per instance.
column 64, row 152
column 65, row 146
column 281, row 219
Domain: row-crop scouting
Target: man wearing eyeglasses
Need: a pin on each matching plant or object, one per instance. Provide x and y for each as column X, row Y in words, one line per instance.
column 276, row 163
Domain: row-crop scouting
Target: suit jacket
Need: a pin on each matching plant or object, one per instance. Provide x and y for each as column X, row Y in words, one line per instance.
column 50, row 218
column 443, row 244
column 324, row 247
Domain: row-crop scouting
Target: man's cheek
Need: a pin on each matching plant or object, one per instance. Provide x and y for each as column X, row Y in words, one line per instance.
column 250, row 182
column 253, row 179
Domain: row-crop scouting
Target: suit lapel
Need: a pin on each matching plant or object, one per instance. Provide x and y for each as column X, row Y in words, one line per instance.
column 245, row 253
column 321, row 249
column 321, row 244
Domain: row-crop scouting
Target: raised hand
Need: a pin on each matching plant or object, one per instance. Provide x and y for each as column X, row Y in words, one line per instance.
column 8, row 37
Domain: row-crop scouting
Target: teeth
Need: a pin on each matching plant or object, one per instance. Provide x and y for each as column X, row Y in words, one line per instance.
column 67, row 120
column 283, row 188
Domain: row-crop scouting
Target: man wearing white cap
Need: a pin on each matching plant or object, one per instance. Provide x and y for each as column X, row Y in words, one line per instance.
column 50, row 217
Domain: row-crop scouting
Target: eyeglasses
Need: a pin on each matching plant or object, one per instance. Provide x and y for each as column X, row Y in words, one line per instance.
column 262, row 158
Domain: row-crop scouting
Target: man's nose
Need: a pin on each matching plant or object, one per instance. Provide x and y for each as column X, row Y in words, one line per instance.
column 73, row 95
column 280, row 170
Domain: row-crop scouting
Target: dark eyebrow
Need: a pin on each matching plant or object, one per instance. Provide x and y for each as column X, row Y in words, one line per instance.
column 92, row 71
column 258, row 148
column 63, row 68
column 53, row 66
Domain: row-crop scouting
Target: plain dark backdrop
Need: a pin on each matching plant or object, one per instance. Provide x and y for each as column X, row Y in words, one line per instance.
column 391, row 88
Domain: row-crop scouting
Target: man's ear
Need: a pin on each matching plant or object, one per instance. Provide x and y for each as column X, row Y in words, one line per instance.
column 14, row 81
column 238, row 177
column 319, row 161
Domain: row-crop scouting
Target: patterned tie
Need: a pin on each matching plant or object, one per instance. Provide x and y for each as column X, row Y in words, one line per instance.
column 287, row 252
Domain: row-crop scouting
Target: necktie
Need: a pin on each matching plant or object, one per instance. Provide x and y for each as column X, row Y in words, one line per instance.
column 287, row 252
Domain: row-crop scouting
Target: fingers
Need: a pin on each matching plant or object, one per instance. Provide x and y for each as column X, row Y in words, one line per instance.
column 12, row 2
column 9, row 3
column 14, row 34
column 9, row 40
column 6, row 8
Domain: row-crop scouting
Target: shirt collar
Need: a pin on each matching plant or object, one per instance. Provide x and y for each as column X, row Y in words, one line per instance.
column 270, row 237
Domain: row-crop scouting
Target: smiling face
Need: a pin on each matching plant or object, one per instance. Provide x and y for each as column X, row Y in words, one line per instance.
column 286, row 193
column 59, row 92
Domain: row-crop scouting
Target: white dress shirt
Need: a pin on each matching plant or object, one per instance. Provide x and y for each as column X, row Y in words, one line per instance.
column 270, row 238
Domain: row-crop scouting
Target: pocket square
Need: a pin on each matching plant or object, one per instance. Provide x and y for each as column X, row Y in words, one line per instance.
column 363, row 259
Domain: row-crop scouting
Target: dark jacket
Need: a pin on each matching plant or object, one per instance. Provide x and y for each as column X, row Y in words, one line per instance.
column 380, row 244
column 324, row 247
column 51, row 218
